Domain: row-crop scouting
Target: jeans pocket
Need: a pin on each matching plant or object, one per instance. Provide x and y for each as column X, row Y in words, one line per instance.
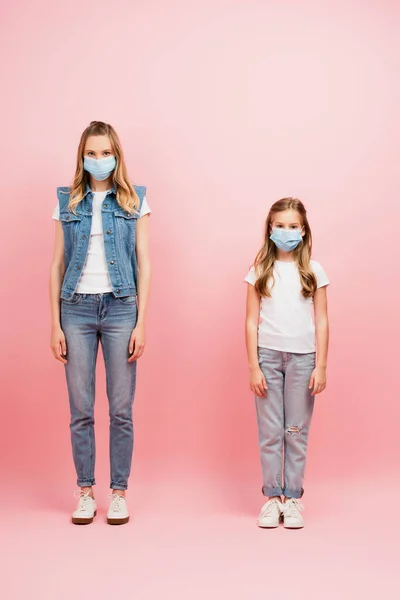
column 76, row 299
column 266, row 353
column 308, row 361
column 127, row 300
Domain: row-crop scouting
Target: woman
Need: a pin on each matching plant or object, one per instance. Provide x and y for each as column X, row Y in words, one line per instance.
column 99, row 290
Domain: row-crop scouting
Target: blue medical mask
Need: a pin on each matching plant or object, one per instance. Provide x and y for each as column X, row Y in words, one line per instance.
column 286, row 239
column 101, row 168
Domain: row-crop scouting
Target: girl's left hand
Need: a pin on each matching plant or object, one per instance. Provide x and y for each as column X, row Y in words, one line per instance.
column 318, row 381
column 136, row 343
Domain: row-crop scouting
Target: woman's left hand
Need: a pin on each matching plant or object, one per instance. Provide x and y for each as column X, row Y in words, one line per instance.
column 318, row 381
column 137, row 343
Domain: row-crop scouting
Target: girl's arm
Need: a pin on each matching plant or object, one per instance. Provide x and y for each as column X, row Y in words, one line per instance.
column 258, row 384
column 318, row 378
column 137, row 341
column 57, row 270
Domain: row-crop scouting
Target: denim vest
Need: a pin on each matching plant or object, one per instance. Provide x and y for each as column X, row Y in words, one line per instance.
column 119, row 230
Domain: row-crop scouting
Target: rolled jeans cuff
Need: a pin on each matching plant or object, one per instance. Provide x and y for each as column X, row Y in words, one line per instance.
column 293, row 493
column 86, row 482
column 271, row 492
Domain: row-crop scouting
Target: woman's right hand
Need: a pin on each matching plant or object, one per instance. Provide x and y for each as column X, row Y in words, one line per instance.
column 58, row 344
column 258, row 383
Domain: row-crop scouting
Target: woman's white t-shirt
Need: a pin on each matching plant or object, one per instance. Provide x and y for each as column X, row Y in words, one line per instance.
column 287, row 318
column 95, row 278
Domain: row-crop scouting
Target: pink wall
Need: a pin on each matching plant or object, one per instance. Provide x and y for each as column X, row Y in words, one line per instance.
column 223, row 107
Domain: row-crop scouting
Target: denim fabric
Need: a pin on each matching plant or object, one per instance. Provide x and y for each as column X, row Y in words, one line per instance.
column 86, row 320
column 119, row 229
column 284, row 418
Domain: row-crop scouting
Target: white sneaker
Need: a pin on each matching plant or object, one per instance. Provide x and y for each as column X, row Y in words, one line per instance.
column 86, row 509
column 118, row 513
column 270, row 514
column 292, row 518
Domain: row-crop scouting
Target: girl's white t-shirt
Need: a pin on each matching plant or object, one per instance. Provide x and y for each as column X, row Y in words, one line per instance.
column 287, row 318
column 95, row 278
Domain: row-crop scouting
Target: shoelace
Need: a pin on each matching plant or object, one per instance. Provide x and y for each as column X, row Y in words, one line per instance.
column 292, row 507
column 270, row 506
column 84, row 499
column 117, row 502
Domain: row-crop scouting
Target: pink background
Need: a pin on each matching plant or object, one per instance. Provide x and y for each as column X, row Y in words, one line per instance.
column 223, row 107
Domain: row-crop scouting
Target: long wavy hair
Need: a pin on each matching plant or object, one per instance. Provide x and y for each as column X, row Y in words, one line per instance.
column 126, row 195
column 266, row 257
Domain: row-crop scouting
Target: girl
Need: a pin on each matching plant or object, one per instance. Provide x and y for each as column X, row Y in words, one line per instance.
column 100, row 265
column 284, row 288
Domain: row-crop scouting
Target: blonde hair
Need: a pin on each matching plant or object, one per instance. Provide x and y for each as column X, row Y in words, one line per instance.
column 265, row 259
column 126, row 195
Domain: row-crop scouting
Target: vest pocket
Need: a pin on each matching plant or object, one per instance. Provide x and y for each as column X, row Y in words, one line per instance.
column 125, row 214
column 70, row 224
column 68, row 217
column 126, row 226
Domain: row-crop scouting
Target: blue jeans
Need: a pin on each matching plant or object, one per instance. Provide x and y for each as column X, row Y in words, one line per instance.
column 87, row 319
column 284, row 418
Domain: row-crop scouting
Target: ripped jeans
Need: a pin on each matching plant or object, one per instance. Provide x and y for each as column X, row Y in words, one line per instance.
column 284, row 417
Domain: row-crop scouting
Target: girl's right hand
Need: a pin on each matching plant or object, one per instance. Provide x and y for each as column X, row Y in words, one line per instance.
column 258, row 383
column 58, row 344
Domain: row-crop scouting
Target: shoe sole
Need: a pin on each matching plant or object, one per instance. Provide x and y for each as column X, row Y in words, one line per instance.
column 117, row 521
column 81, row 521
column 293, row 526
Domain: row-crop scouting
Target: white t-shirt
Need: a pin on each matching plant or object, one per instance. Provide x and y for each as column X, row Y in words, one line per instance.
column 95, row 278
column 287, row 318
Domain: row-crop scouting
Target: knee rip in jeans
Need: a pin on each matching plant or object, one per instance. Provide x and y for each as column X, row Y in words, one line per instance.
column 293, row 430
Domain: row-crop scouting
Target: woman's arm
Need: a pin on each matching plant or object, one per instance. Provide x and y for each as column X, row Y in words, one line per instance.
column 318, row 378
column 57, row 270
column 137, row 342
column 258, row 384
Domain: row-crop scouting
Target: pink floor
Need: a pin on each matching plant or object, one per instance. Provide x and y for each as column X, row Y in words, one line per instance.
column 191, row 543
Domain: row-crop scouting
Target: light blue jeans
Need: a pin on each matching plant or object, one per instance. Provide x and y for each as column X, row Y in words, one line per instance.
column 284, row 418
column 86, row 320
